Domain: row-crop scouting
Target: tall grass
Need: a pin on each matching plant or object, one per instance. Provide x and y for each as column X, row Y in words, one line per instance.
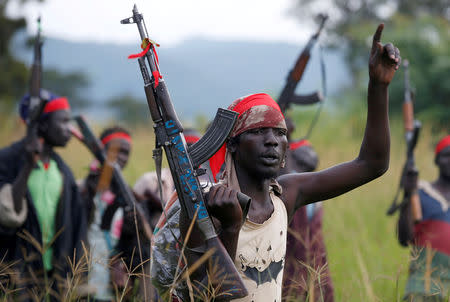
column 365, row 260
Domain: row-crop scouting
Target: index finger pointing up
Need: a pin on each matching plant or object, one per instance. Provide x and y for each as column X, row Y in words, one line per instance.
column 377, row 36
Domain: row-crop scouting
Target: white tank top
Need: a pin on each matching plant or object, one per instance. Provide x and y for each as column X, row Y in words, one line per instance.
column 260, row 255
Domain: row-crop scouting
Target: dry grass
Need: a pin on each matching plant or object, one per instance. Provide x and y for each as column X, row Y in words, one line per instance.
column 365, row 260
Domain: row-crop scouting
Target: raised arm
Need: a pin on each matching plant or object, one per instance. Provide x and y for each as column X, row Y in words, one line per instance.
column 373, row 158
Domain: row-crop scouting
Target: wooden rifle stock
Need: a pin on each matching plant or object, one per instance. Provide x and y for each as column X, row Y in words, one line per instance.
column 297, row 73
column 411, row 134
column 412, row 129
column 408, row 108
column 287, row 95
column 227, row 282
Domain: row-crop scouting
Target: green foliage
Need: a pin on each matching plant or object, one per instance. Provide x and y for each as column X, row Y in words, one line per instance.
column 16, row 77
column 426, row 45
column 421, row 31
column 14, row 81
column 129, row 110
column 70, row 85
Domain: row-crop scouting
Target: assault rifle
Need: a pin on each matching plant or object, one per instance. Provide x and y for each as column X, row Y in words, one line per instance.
column 288, row 95
column 38, row 97
column 184, row 162
column 412, row 129
column 88, row 138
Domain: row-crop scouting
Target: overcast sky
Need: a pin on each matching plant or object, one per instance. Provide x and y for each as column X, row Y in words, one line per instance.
column 168, row 21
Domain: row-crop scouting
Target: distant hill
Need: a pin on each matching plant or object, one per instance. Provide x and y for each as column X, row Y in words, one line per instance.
column 201, row 75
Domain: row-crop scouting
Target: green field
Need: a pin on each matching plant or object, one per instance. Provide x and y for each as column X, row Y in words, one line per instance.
column 366, row 262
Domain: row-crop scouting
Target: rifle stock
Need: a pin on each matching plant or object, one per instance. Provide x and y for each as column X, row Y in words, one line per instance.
column 88, row 138
column 169, row 135
column 287, row 95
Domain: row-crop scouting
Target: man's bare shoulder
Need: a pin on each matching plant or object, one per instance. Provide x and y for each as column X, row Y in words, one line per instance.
column 291, row 189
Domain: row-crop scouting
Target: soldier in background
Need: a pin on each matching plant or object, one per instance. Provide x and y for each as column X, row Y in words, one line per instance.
column 429, row 271
column 42, row 217
column 306, row 266
column 115, row 247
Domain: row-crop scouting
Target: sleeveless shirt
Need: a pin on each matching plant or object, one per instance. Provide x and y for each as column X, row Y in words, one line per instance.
column 260, row 255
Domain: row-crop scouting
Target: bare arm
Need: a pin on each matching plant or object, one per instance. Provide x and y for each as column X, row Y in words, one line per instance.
column 373, row 158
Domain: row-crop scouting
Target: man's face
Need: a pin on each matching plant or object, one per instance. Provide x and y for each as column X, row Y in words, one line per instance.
column 260, row 151
column 443, row 162
column 123, row 151
column 56, row 129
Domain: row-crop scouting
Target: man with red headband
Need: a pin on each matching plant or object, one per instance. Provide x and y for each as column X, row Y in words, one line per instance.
column 105, row 217
column 306, row 266
column 112, row 230
column 42, row 218
column 252, row 159
column 429, row 272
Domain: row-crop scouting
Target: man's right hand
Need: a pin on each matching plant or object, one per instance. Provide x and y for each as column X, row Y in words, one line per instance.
column 223, row 204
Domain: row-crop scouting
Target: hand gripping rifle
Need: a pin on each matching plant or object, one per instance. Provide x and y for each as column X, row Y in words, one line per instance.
column 88, row 138
column 184, row 162
column 288, row 95
column 412, row 129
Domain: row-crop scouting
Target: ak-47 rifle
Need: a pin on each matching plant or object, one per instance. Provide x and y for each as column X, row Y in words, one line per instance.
column 412, row 129
column 288, row 95
column 38, row 97
column 184, row 162
column 88, row 138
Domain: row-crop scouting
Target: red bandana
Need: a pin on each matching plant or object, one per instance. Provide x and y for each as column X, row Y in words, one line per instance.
column 191, row 139
column 445, row 142
column 299, row 144
column 255, row 111
column 116, row 135
column 60, row 103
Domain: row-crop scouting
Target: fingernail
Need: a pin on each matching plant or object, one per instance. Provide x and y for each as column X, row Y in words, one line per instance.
column 392, row 56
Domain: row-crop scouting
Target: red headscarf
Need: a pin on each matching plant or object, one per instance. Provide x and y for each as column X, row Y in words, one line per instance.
column 299, row 144
column 255, row 111
column 116, row 135
column 443, row 143
column 60, row 103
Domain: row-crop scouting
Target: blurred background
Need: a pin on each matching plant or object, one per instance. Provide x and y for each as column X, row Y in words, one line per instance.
column 214, row 52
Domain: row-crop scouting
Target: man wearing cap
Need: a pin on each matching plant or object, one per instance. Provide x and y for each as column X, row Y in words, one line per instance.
column 252, row 159
column 42, row 218
column 306, row 266
column 429, row 272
